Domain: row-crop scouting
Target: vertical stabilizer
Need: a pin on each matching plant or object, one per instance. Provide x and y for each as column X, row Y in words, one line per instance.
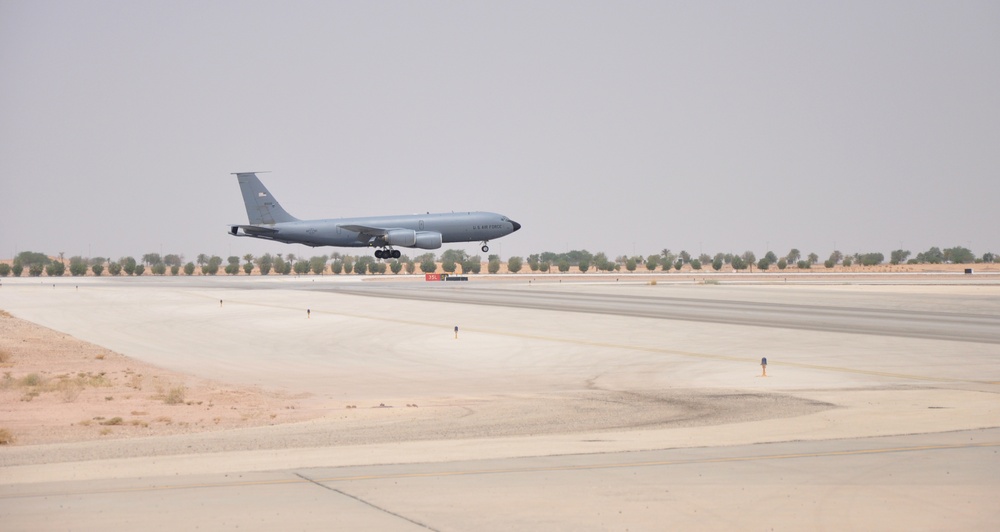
column 262, row 208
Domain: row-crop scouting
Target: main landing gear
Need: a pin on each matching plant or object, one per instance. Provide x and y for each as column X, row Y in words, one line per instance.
column 485, row 248
column 387, row 254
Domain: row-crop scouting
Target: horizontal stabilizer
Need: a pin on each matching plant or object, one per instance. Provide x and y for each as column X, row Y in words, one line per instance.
column 252, row 229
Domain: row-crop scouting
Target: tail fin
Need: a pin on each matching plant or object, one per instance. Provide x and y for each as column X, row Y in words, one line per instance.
column 262, row 208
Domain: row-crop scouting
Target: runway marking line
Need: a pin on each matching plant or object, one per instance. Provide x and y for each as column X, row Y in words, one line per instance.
column 302, row 480
column 609, row 345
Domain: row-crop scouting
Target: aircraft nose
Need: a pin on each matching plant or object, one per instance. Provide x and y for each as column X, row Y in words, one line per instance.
column 516, row 225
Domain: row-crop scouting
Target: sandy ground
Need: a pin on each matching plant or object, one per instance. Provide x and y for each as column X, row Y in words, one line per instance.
column 56, row 388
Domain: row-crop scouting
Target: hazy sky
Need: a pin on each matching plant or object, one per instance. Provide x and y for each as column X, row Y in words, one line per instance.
column 624, row 127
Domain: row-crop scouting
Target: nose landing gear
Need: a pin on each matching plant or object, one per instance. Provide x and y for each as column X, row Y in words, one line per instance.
column 485, row 248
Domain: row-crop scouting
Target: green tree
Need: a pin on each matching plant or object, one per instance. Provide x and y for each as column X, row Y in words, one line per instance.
column 396, row 266
column 563, row 265
column 514, row 264
column 652, row 262
column 301, row 267
column 544, row 266
column 803, row 265
column 448, row 265
column 427, row 265
column 813, row 258
column 695, row 264
column 189, row 268
column 173, row 260
column 473, row 264
column 829, row 263
column 158, row 268
column 782, row 263
column 28, row 258
column 363, row 265
column 872, row 259
column 848, row 262
column 77, row 266
column 202, row 261
column 931, row 256
column 717, row 263
column 140, row 269
column 739, row 264
column 599, row 261
column 959, row 255
column 264, row 263
column 583, row 266
column 4, row 269
column 411, row 267
column 16, row 268
column 337, row 267
column 898, row 256
column 248, row 267
column 279, row 265
column 212, row 266
column 114, row 268
column 630, row 264
column 58, row 269
column 684, row 256
column 793, row 255
column 493, row 266
column 533, row 262
column 771, row 257
column 763, row 264
column 677, row 265
column 152, row 258
column 318, row 264
column 128, row 265
column 98, row 269
column 454, row 255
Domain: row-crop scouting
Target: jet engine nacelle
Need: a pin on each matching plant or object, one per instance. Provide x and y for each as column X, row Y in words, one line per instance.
column 402, row 237
column 428, row 240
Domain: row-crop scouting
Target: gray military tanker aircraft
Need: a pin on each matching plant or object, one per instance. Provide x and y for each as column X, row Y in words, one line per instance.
column 425, row 231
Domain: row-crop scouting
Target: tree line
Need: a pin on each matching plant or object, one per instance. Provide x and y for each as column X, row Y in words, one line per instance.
column 453, row 260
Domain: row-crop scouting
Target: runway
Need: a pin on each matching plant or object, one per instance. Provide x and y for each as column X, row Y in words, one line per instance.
column 925, row 482
column 576, row 406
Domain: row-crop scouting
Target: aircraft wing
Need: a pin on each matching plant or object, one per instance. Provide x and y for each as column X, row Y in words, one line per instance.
column 366, row 230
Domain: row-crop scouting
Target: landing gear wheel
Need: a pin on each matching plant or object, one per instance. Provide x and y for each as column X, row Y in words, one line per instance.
column 378, row 253
column 396, row 254
column 485, row 248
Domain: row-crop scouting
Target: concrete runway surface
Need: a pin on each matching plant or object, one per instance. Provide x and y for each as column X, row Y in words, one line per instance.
column 605, row 405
